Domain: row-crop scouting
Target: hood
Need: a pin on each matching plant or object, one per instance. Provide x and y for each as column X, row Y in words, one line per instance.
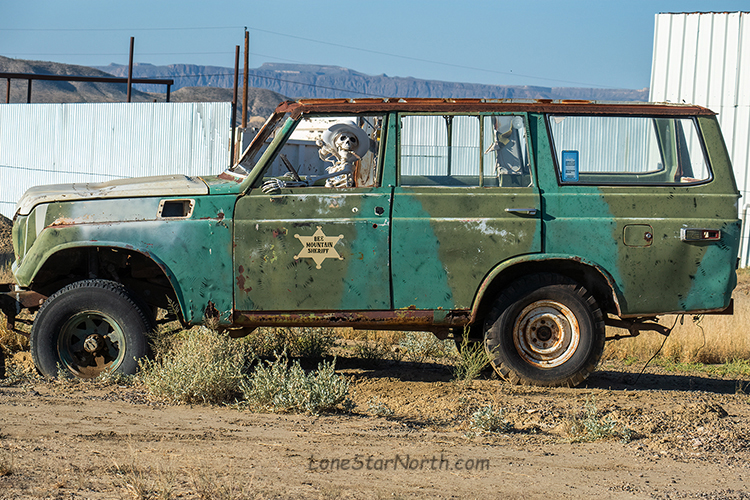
column 139, row 187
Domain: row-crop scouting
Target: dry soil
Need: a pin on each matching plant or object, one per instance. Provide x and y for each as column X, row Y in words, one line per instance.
column 689, row 439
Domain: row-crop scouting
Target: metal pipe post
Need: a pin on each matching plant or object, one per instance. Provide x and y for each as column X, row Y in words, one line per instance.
column 130, row 68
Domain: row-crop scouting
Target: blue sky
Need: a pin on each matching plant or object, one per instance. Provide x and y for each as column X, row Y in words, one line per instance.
column 583, row 43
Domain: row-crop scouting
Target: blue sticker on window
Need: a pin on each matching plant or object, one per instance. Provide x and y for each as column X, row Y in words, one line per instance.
column 570, row 166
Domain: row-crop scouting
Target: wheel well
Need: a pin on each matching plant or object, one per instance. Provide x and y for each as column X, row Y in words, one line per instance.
column 581, row 273
column 138, row 272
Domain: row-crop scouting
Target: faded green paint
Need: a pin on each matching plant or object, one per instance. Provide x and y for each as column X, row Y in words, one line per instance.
column 195, row 254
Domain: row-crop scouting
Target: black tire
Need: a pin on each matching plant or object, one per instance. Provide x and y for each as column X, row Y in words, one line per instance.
column 545, row 329
column 90, row 327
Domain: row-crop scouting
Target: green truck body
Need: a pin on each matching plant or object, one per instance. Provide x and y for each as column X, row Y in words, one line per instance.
column 525, row 225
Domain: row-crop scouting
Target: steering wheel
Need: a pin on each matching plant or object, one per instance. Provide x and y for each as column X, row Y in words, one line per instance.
column 289, row 167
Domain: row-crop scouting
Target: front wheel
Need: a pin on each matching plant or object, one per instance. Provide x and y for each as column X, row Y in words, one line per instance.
column 90, row 327
column 545, row 329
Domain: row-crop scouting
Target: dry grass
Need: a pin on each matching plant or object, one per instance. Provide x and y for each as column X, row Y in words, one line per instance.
column 6, row 276
column 10, row 340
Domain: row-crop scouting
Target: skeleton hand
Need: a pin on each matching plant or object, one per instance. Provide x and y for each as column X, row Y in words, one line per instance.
column 272, row 186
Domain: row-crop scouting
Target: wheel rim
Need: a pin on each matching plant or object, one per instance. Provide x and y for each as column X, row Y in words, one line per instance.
column 91, row 343
column 546, row 334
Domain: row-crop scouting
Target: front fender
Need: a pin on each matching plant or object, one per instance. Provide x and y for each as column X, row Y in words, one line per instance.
column 195, row 256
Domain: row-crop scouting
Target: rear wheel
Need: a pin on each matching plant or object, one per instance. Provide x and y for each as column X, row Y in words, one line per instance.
column 90, row 327
column 545, row 329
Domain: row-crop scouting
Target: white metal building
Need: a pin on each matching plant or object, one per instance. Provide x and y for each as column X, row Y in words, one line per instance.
column 704, row 58
column 64, row 143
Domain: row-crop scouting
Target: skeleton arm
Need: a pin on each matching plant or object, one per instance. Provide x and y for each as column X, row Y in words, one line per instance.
column 275, row 185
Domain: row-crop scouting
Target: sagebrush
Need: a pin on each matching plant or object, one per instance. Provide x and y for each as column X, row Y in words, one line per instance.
column 281, row 386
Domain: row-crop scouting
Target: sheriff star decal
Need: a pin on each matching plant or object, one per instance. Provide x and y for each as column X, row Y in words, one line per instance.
column 318, row 247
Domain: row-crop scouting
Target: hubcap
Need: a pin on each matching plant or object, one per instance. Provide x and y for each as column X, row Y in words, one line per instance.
column 546, row 334
column 90, row 343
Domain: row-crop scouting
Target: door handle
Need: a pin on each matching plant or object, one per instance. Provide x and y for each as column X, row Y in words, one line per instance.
column 522, row 211
column 379, row 211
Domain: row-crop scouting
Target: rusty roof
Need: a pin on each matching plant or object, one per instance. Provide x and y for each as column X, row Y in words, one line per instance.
column 304, row 106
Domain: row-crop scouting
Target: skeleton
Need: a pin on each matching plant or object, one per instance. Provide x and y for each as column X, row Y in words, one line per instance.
column 343, row 158
column 343, row 149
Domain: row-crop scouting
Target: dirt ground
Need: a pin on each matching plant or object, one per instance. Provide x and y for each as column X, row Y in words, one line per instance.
column 690, row 439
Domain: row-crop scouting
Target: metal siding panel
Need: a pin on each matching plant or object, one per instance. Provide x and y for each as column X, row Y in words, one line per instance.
column 63, row 143
column 719, row 43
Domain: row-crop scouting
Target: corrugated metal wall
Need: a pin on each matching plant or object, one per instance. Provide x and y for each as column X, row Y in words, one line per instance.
column 62, row 143
column 704, row 58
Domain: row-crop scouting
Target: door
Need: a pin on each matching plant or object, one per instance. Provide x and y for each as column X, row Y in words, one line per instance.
column 637, row 196
column 317, row 248
column 466, row 201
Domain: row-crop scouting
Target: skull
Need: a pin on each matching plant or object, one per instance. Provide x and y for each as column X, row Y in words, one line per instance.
column 346, row 141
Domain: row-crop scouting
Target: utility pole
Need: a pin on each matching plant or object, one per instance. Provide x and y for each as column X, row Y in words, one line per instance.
column 244, row 81
column 234, row 102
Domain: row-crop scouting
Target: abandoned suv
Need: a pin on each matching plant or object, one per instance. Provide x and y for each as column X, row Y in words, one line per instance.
column 527, row 226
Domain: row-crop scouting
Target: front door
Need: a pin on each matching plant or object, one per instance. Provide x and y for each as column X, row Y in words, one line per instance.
column 317, row 248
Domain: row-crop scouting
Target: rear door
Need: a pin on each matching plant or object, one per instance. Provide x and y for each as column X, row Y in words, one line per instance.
column 466, row 200
column 637, row 196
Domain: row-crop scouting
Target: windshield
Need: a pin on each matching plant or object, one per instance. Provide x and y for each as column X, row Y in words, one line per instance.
column 258, row 145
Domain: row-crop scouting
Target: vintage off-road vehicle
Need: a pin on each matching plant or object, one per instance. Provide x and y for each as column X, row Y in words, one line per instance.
column 528, row 226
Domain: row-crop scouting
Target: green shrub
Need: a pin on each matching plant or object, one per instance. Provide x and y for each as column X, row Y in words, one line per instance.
column 489, row 419
column 378, row 408
column 199, row 366
column 589, row 426
column 278, row 386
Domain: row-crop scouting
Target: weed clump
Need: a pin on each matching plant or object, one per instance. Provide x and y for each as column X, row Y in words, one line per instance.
column 590, row 426
column 379, row 408
column 200, row 366
column 304, row 342
column 470, row 361
column 489, row 419
column 279, row 386
column 417, row 347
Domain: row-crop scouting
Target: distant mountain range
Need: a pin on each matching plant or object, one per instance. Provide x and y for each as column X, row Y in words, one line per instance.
column 303, row 80
column 270, row 84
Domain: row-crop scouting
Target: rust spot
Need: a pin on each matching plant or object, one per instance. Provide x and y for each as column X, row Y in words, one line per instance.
column 423, row 319
column 226, row 177
column 241, row 280
column 63, row 221
column 211, row 311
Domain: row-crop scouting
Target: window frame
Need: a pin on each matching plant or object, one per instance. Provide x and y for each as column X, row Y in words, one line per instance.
column 675, row 119
column 528, row 150
column 285, row 132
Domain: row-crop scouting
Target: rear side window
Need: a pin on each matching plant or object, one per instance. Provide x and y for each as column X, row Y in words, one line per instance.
column 464, row 150
column 628, row 150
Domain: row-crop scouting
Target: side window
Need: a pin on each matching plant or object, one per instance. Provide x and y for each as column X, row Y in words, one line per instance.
column 463, row 150
column 628, row 150
column 332, row 151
